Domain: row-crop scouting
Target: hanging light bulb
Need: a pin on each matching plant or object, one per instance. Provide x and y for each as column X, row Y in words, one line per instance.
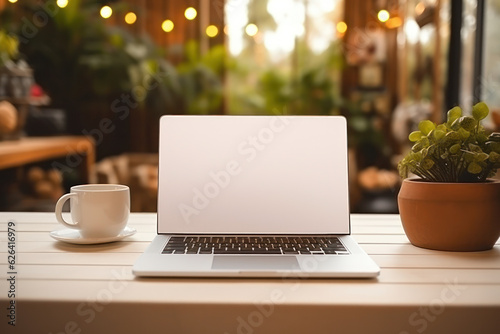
column 251, row 29
column 167, row 26
column 212, row 31
column 62, row 3
column 190, row 13
column 342, row 27
column 383, row 15
column 106, row 12
column 130, row 18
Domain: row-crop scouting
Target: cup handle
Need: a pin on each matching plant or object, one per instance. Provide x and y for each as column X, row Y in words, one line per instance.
column 59, row 206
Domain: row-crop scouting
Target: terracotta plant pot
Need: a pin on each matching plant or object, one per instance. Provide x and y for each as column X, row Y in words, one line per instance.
column 451, row 216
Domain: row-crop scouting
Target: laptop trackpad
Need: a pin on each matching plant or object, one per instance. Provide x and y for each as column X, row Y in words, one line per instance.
column 250, row 262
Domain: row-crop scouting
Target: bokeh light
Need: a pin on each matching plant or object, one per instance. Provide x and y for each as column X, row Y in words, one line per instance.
column 212, row 31
column 342, row 27
column 190, row 13
column 167, row 26
column 130, row 17
column 251, row 29
column 383, row 15
column 62, row 3
column 106, row 12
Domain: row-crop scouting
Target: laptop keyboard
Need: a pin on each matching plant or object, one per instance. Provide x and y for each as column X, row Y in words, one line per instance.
column 309, row 245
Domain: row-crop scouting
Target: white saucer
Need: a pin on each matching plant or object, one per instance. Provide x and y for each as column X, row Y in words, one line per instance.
column 74, row 237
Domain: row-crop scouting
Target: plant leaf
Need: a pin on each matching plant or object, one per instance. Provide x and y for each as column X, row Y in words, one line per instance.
column 469, row 156
column 494, row 157
column 467, row 123
column 453, row 136
column 415, row 136
column 474, row 168
column 442, row 127
column 481, row 138
column 417, row 157
column 438, row 134
column 493, row 146
column 426, row 127
column 455, row 149
column 403, row 169
column 475, row 148
column 464, row 134
column 421, row 144
column 454, row 114
column 480, row 111
column 481, row 157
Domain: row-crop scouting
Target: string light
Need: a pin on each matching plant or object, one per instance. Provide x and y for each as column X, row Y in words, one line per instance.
column 190, row 13
column 62, row 3
column 251, row 29
column 212, row 31
column 106, row 12
column 130, row 17
column 342, row 27
column 383, row 15
column 167, row 26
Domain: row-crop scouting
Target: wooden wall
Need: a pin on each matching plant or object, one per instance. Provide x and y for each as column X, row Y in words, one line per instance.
column 361, row 16
column 361, row 19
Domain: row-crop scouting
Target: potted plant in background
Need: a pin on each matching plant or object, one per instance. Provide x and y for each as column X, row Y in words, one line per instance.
column 454, row 205
column 16, row 79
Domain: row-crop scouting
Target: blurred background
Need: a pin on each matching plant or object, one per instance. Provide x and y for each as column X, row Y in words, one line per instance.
column 84, row 82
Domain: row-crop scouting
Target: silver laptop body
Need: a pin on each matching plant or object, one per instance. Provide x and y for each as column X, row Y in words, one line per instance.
column 253, row 177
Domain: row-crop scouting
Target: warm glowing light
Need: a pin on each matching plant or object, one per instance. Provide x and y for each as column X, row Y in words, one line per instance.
column 62, row 3
column 12, row 1
column 106, row 12
column 251, row 29
column 130, row 18
column 412, row 31
column 341, row 27
column 383, row 15
column 212, row 31
column 394, row 22
column 167, row 26
column 419, row 8
column 190, row 13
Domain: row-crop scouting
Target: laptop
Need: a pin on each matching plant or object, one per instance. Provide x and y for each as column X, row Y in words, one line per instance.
column 253, row 196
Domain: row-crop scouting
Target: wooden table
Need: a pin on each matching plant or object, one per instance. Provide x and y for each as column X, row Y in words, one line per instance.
column 63, row 288
column 75, row 151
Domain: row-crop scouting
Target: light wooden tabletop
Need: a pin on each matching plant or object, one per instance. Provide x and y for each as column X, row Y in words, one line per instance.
column 65, row 288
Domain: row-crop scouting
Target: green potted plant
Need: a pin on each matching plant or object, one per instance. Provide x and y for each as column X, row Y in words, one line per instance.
column 453, row 204
column 8, row 48
column 16, row 79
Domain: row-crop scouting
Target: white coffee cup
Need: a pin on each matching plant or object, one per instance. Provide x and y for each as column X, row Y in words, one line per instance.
column 97, row 210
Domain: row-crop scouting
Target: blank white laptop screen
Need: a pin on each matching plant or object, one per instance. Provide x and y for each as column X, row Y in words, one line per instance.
column 253, row 175
column 229, row 176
